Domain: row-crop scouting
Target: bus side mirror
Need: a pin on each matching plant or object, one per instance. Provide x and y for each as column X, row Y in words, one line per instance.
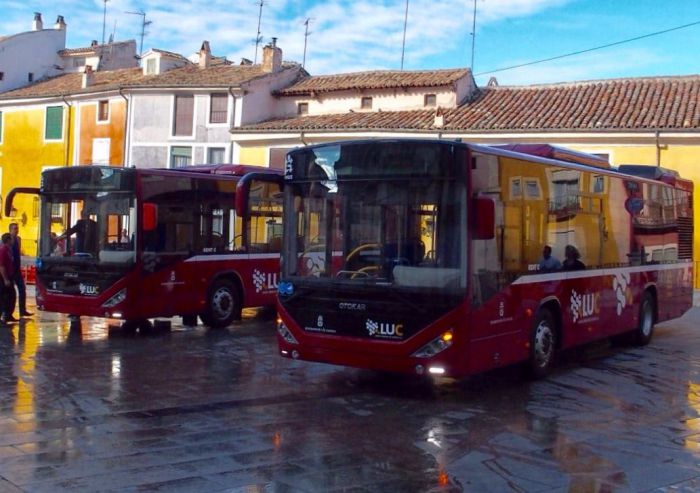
column 150, row 216
column 484, row 218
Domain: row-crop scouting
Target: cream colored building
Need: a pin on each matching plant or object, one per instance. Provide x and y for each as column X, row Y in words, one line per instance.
column 648, row 120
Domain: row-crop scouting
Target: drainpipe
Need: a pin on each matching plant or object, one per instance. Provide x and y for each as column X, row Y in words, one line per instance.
column 301, row 137
column 68, row 133
column 127, row 133
column 233, row 120
column 658, row 148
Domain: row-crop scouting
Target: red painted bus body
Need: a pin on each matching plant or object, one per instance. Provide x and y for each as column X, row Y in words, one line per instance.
column 164, row 242
column 423, row 257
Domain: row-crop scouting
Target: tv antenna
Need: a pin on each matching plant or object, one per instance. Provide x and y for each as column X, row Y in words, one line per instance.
column 258, row 37
column 144, row 24
column 306, row 37
column 405, row 24
column 104, row 20
column 473, row 33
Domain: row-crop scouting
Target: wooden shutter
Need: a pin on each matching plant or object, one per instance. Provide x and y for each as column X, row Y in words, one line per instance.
column 54, row 123
column 277, row 157
column 184, row 114
column 218, row 108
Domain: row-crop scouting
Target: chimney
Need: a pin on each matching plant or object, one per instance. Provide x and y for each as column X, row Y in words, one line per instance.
column 272, row 57
column 88, row 76
column 37, row 24
column 439, row 119
column 60, row 23
column 204, row 55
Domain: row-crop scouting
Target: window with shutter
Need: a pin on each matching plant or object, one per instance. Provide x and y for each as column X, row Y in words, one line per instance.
column 218, row 108
column 150, row 66
column 216, row 155
column 54, row 123
column 103, row 111
column 277, row 157
column 184, row 114
column 180, row 156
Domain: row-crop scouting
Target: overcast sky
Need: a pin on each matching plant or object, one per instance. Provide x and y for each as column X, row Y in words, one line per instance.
column 357, row 35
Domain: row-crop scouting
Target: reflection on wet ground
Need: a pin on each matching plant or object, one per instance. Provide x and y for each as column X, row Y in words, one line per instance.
column 94, row 409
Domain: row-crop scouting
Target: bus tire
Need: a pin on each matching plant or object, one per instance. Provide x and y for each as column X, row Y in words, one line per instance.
column 223, row 304
column 645, row 326
column 543, row 344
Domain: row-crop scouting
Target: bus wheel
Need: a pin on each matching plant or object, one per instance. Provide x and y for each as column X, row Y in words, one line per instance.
column 645, row 328
column 543, row 344
column 223, row 305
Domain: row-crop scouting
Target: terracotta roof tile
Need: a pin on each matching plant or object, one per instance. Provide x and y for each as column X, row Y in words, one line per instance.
column 381, row 79
column 615, row 104
column 67, row 84
column 188, row 76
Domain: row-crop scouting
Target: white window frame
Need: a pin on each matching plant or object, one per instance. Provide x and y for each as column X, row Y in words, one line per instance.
column 194, row 117
column 169, row 164
column 523, row 187
column 109, row 146
column 97, row 112
column 228, row 111
column 215, row 146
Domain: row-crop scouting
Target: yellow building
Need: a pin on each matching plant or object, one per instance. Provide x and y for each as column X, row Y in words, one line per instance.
column 35, row 136
column 67, row 120
column 649, row 120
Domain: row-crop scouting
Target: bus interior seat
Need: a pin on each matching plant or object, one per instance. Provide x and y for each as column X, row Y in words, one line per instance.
column 411, row 252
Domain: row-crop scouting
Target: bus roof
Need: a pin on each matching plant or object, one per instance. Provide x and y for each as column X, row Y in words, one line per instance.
column 559, row 153
column 226, row 169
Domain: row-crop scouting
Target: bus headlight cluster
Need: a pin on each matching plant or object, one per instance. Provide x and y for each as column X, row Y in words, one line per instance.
column 116, row 299
column 437, row 345
column 283, row 331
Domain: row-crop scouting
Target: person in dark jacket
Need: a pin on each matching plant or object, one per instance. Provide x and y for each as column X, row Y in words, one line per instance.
column 572, row 262
column 6, row 272
column 17, row 278
column 85, row 231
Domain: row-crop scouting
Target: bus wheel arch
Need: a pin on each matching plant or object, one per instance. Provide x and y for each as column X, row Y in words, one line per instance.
column 545, row 339
column 224, row 301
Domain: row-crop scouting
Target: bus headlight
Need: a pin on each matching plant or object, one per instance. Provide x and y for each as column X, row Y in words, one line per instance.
column 283, row 331
column 437, row 345
column 116, row 299
column 285, row 288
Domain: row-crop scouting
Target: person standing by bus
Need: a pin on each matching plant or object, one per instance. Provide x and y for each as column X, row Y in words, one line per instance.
column 6, row 289
column 17, row 278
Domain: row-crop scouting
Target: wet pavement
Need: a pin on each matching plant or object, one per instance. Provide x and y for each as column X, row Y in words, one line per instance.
column 217, row 410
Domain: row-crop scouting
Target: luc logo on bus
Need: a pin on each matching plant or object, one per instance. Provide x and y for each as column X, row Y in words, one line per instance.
column 384, row 329
column 584, row 305
column 264, row 281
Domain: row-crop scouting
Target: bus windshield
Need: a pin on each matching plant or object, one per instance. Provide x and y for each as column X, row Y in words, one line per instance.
column 394, row 218
column 95, row 227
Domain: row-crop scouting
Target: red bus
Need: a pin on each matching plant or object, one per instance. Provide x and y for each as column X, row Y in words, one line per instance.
column 197, row 241
column 423, row 257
